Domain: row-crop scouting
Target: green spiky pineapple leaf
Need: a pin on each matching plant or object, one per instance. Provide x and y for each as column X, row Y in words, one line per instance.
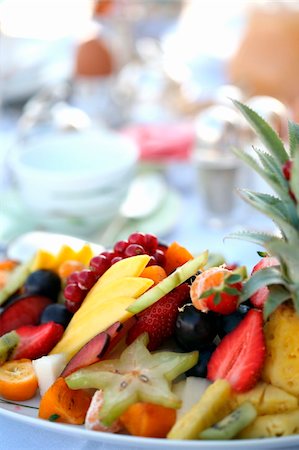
column 267, row 135
column 261, row 278
column 254, row 236
column 274, row 208
column 277, row 295
column 288, row 253
column 272, row 167
column 294, row 181
column 293, row 138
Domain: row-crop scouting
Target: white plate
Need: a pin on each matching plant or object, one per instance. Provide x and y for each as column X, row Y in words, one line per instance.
column 26, row 412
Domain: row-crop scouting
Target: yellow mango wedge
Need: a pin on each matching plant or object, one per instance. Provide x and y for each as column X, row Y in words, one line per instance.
column 125, row 287
column 107, row 313
column 128, row 267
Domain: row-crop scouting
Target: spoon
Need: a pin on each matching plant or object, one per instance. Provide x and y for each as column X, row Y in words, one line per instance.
column 146, row 194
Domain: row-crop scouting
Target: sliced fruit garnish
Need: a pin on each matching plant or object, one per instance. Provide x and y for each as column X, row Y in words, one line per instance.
column 179, row 276
column 18, row 381
column 136, row 376
column 240, row 355
column 216, row 289
column 25, row 310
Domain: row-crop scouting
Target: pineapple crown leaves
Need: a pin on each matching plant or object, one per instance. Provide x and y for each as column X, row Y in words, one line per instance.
column 282, row 208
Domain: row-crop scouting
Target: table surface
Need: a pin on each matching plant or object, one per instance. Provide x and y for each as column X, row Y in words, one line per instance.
column 192, row 232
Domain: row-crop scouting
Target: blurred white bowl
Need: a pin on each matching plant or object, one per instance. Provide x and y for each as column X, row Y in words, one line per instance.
column 74, row 182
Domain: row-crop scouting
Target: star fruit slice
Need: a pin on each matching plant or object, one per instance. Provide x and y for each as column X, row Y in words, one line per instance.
column 137, row 375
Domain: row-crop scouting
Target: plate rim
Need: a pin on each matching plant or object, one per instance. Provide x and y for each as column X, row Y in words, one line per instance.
column 146, row 443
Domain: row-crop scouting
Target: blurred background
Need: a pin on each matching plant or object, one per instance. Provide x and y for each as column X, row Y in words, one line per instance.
column 116, row 115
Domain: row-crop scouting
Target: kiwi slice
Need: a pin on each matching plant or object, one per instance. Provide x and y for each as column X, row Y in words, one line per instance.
column 8, row 343
column 15, row 281
column 232, row 424
column 137, row 375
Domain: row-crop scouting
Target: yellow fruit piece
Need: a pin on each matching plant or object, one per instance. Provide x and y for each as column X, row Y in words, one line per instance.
column 212, row 406
column 43, row 260
column 85, row 254
column 125, row 287
column 272, row 425
column 108, row 313
column 65, row 253
column 267, row 399
column 281, row 366
column 128, row 267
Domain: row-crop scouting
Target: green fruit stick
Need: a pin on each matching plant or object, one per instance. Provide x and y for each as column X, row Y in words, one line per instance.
column 232, row 424
column 173, row 280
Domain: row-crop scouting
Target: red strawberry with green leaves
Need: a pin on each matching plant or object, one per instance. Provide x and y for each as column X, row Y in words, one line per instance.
column 158, row 320
column 259, row 298
column 30, row 341
column 240, row 355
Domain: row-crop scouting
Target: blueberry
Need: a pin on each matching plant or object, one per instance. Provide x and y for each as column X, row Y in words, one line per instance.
column 231, row 321
column 57, row 313
column 195, row 329
column 200, row 369
column 43, row 282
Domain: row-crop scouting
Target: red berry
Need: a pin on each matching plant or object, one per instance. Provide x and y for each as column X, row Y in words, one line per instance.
column 137, row 238
column 151, row 243
column 72, row 307
column 159, row 319
column 36, row 341
column 239, row 357
column 259, row 298
column 108, row 254
column 286, row 169
column 87, row 278
column 134, row 249
column 120, row 246
column 99, row 264
column 74, row 293
column 73, row 277
column 116, row 259
column 159, row 257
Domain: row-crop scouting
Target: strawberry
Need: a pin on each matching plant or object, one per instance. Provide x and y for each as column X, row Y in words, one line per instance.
column 240, row 355
column 259, row 298
column 24, row 310
column 37, row 340
column 158, row 320
column 216, row 289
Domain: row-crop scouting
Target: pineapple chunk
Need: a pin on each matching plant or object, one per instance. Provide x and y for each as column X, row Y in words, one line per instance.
column 272, row 425
column 107, row 314
column 267, row 399
column 212, row 406
column 281, row 366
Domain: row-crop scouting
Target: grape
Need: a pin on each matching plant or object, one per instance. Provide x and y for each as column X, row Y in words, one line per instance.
column 159, row 257
column 73, row 277
column 72, row 306
column 109, row 255
column 87, row 278
column 137, row 238
column 116, row 259
column 120, row 246
column 99, row 264
column 74, row 293
column 134, row 249
column 151, row 243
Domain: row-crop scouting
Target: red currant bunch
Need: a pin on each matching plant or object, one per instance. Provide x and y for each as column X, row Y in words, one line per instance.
column 79, row 283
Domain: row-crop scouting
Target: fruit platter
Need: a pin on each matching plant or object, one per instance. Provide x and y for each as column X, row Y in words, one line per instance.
column 145, row 344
